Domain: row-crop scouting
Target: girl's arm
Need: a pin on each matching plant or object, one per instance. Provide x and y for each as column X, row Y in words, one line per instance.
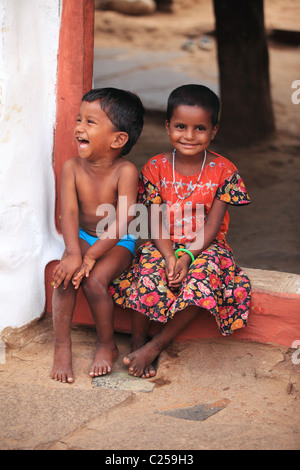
column 211, row 229
column 71, row 259
column 163, row 243
column 127, row 189
column 211, row 226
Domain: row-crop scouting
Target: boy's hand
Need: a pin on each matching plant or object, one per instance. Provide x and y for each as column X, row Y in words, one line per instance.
column 180, row 272
column 65, row 270
column 84, row 270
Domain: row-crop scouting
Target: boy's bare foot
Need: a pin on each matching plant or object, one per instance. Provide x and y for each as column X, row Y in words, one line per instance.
column 62, row 366
column 105, row 355
column 141, row 360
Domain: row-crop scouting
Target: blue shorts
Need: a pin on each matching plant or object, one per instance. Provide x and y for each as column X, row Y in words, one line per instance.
column 128, row 241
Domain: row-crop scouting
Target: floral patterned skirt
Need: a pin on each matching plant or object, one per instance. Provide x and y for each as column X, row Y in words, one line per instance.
column 213, row 282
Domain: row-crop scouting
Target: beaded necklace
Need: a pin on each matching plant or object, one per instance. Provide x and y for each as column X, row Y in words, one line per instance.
column 175, row 183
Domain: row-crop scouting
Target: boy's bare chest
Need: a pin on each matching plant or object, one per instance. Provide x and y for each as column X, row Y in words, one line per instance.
column 97, row 190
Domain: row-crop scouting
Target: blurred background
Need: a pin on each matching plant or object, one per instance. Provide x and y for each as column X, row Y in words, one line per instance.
column 248, row 53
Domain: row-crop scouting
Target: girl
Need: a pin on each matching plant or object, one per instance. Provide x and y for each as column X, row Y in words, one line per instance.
column 190, row 270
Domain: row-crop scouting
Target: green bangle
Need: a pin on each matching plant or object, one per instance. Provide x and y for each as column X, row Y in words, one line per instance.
column 186, row 251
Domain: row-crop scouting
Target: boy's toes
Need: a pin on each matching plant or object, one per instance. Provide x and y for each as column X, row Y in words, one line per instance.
column 62, row 377
column 100, row 370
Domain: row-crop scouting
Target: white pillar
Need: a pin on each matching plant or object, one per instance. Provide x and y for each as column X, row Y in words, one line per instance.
column 28, row 238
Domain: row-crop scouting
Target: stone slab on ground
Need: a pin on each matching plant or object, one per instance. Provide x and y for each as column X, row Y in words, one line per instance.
column 33, row 414
column 122, row 381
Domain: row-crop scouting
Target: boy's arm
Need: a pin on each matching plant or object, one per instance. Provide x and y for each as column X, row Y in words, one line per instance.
column 69, row 209
column 71, row 259
column 127, row 189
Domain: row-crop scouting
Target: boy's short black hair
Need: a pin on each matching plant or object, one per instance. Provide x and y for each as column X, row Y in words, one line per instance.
column 123, row 108
column 194, row 95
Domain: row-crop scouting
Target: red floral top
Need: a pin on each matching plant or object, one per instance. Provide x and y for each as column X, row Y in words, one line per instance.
column 220, row 179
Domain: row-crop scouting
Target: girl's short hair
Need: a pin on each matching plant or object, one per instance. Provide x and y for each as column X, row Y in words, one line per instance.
column 194, row 95
column 123, row 108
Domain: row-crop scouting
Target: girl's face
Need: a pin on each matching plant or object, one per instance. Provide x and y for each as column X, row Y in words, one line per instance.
column 190, row 130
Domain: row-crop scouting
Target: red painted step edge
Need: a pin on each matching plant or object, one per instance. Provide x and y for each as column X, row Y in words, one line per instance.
column 273, row 318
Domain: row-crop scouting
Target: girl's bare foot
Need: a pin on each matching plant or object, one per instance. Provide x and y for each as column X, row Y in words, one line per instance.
column 105, row 355
column 141, row 360
column 62, row 366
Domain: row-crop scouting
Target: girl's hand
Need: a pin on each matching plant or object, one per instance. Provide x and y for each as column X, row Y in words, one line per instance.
column 170, row 267
column 176, row 271
column 84, row 270
column 65, row 270
column 180, row 272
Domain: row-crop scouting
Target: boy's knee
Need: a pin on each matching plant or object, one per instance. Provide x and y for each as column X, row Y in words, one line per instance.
column 62, row 291
column 94, row 287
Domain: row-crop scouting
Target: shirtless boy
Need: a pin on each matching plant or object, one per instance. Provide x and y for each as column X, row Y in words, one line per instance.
column 108, row 125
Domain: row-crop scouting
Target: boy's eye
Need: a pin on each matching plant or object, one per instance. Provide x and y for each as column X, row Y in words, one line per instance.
column 90, row 121
column 179, row 126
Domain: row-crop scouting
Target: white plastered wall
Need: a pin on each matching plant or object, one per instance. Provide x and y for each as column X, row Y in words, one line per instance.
column 28, row 72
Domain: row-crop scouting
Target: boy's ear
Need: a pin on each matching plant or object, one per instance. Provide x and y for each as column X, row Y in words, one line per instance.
column 120, row 139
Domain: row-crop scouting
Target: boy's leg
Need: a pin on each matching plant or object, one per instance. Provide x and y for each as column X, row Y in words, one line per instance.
column 140, row 359
column 63, row 305
column 95, row 287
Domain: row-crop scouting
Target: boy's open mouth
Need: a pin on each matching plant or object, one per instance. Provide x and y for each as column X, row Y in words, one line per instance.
column 82, row 142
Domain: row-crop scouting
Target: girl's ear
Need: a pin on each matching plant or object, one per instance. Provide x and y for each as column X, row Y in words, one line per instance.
column 120, row 139
column 214, row 131
column 167, row 125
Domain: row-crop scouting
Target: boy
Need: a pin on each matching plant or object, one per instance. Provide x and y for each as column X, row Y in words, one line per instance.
column 109, row 123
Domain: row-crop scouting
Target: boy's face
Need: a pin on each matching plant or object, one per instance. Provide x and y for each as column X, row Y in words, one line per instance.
column 95, row 134
column 190, row 130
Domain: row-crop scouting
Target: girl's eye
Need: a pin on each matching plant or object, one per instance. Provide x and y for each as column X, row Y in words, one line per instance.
column 179, row 126
column 90, row 121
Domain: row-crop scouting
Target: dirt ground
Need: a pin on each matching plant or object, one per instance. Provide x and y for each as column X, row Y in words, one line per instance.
column 253, row 388
column 264, row 234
